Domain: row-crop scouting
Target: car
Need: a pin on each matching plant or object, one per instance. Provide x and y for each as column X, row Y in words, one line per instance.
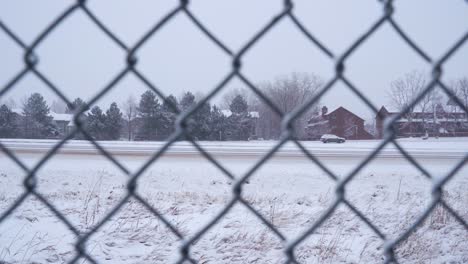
column 332, row 138
column 252, row 137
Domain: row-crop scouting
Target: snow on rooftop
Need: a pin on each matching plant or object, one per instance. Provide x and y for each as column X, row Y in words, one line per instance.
column 228, row 113
column 55, row 116
column 18, row 111
column 61, row 117
column 254, row 114
column 322, row 122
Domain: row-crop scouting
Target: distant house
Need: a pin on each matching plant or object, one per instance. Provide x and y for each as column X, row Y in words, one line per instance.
column 63, row 122
column 437, row 122
column 340, row 122
column 17, row 111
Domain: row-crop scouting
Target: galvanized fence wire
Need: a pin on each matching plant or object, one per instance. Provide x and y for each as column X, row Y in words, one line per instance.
column 31, row 60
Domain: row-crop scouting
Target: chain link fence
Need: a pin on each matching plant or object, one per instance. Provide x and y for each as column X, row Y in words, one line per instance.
column 31, row 60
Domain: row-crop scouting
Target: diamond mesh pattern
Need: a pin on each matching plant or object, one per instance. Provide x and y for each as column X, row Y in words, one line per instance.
column 287, row 12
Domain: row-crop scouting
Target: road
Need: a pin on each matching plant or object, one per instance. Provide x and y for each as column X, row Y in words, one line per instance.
column 444, row 148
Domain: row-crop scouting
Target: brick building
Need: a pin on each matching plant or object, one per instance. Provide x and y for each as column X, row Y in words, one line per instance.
column 438, row 122
column 340, row 122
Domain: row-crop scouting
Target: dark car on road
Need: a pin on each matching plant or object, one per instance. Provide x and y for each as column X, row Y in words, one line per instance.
column 327, row 138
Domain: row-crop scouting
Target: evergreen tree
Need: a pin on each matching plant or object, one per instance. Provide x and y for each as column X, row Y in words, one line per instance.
column 37, row 123
column 168, row 116
column 170, row 105
column 188, row 100
column 201, row 128
column 238, row 105
column 246, row 126
column 149, row 110
column 8, row 123
column 239, row 124
column 239, row 127
column 77, row 104
column 96, row 124
column 113, row 122
column 198, row 124
column 217, row 125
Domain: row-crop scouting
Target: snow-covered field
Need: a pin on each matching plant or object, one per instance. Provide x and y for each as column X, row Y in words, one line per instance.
column 289, row 191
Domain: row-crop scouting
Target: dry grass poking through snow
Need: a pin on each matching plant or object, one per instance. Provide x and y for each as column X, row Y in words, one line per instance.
column 291, row 200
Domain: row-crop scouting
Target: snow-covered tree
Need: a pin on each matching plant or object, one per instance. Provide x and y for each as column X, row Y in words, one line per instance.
column 202, row 120
column 96, row 123
column 8, row 123
column 77, row 104
column 148, row 110
column 238, row 105
column 198, row 123
column 239, row 123
column 169, row 111
column 113, row 122
column 218, row 124
column 36, row 121
column 187, row 101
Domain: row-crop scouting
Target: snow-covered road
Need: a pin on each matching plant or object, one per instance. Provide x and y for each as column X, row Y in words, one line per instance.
column 442, row 148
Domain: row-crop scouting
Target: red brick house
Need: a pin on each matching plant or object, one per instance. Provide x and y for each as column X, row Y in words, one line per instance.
column 340, row 122
column 435, row 123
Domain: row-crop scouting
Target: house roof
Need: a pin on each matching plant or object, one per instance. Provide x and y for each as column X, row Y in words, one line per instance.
column 228, row 113
column 394, row 112
column 18, row 111
column 383, row 109
column 317, row 123
column 55, row 116
column 389, row 108
column 339, row 109
column 61, row 117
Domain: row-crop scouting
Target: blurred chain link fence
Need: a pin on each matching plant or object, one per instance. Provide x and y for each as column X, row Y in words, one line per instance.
column 31, row 60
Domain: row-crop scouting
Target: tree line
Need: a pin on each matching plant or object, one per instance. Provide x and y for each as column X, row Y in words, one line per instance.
column 149, row 119
column 152, row 118
column 404, row 90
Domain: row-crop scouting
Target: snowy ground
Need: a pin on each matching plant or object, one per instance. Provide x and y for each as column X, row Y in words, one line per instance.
column 288, row 190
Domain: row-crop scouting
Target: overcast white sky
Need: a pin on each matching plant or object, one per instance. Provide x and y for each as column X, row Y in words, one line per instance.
column 80, row 60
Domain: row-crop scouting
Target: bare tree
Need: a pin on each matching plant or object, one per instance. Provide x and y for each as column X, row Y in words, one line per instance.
column 58, row 107
column 428, row 105
column 250, row 97
column 288, row 92
column 370, row 126
column 436, row 107
column 460, row 89
column 404, row 90
column 10, row 103
column 130, row 112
